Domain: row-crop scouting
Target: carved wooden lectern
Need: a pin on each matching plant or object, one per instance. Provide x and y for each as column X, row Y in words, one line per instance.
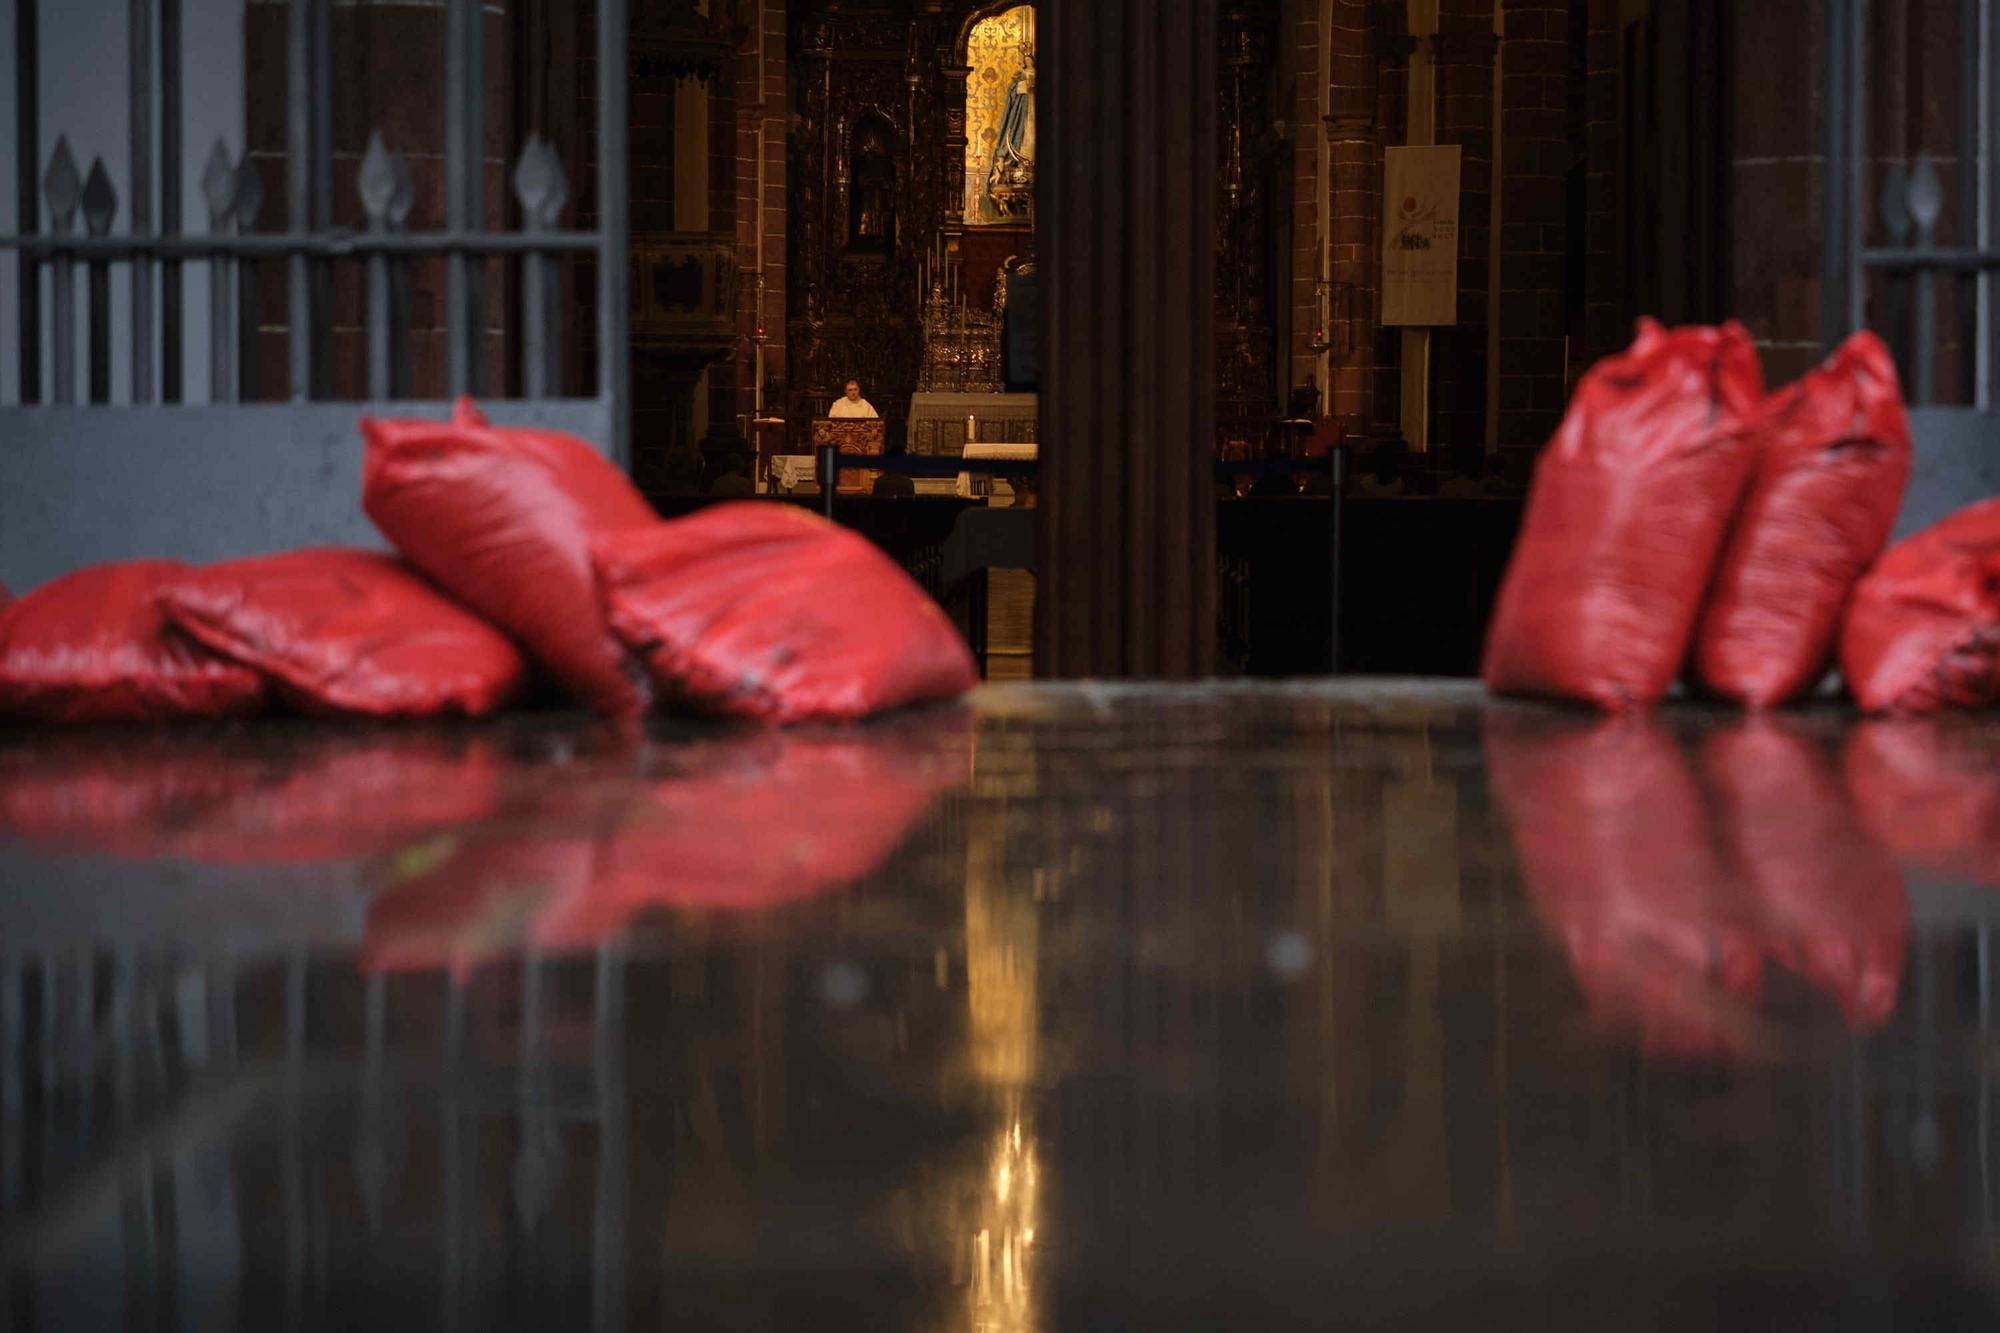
column 851, row 436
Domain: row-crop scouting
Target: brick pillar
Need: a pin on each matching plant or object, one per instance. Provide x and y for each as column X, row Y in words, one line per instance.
column 1354, row 133
column 1604, row 331
column 725, row 375
column 1465, row 48
column 1534, row 107
column 1308, row 209
column 759, row 176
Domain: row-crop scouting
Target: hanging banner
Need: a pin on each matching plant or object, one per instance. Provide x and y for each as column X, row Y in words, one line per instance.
column 1420, row 235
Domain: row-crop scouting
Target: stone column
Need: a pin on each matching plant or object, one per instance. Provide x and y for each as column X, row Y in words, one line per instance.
column 759, row 180
column 1534, row 115
column 1464, row 50
column 1126, row 202
column 1354, row 137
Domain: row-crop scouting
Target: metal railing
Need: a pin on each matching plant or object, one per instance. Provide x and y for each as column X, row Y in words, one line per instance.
column 1910, row 207
column 153, row 248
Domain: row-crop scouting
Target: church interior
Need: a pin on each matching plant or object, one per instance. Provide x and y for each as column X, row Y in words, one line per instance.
column 996, row 666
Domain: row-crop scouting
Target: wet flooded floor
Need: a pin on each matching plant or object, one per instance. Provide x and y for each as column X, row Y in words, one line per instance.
column 1370, row 1005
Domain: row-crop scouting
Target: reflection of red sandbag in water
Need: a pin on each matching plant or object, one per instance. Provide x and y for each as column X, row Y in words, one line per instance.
column 94, row 646
column 502, row 519
column 345, row 631
column 1923, row 630
column 375, row 795
column 1823, row 498
column 1931, row 794
column 1612, row 835
column 1630, row 505
column 765, row 611
column 754, row 823
column 114, row 794
column 264, row 799
column 1832, row 904
column 5, row 597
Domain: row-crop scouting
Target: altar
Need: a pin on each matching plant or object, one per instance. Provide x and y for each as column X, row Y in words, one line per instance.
column 938, row 421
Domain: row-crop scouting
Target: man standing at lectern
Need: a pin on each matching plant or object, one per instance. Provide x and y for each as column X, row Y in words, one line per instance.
column 851, row 404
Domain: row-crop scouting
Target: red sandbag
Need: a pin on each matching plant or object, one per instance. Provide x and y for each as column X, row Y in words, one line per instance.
column 1931, row 794
column 1630, row 505
column 346, row 631
column 765, row 611
column 502, row 519
column 1923, row 630
column 94, row 646
column 1822, row 502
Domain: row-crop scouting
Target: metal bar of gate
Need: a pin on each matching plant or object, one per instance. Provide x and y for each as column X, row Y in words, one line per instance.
column 458, row 299
column 27, row 191
column 140, row 121
column 334, row 244
column 322, row 190
column 474, row 184
column 1838, row 240
column 1854, row 46
column 1989, row 178
column 1970, row 322
column 170, row 197
column 613, row 366
column 298, row 191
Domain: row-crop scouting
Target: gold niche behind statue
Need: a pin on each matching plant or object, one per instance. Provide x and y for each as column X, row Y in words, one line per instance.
column 1000, row 119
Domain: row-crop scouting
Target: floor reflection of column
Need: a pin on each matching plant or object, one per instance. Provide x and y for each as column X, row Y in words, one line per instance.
column 82, row 1046
column 13, row 1071
column 458, row 1180
column 1985, row 946
column 608, row 1241
column 292, row 1165
column 1421, row 904
column 1002, row 938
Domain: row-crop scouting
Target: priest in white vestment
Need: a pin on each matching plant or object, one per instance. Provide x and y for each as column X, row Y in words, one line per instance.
column 851, row 405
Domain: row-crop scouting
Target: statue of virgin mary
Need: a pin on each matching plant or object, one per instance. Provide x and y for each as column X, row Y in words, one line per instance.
column 1012, row 177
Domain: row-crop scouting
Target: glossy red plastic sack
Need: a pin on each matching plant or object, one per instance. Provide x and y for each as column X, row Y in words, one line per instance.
column 502, row 519
column 347, row 631
column 1629, row 509
column 765, row 611
column 1922, row 633
column 1834, row 460
column 95, row 646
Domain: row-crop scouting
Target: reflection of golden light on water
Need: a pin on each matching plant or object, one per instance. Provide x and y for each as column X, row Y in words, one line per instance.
column 1004, row 1237
column 1001, row 944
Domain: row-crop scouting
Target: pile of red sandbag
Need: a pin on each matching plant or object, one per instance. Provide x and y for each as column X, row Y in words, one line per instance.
column 1683, row 525
column 518, row 549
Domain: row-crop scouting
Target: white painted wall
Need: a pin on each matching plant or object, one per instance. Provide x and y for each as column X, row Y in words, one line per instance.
column 83, row 70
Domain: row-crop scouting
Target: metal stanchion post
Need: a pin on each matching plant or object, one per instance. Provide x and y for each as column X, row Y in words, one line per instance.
column 829, row 477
